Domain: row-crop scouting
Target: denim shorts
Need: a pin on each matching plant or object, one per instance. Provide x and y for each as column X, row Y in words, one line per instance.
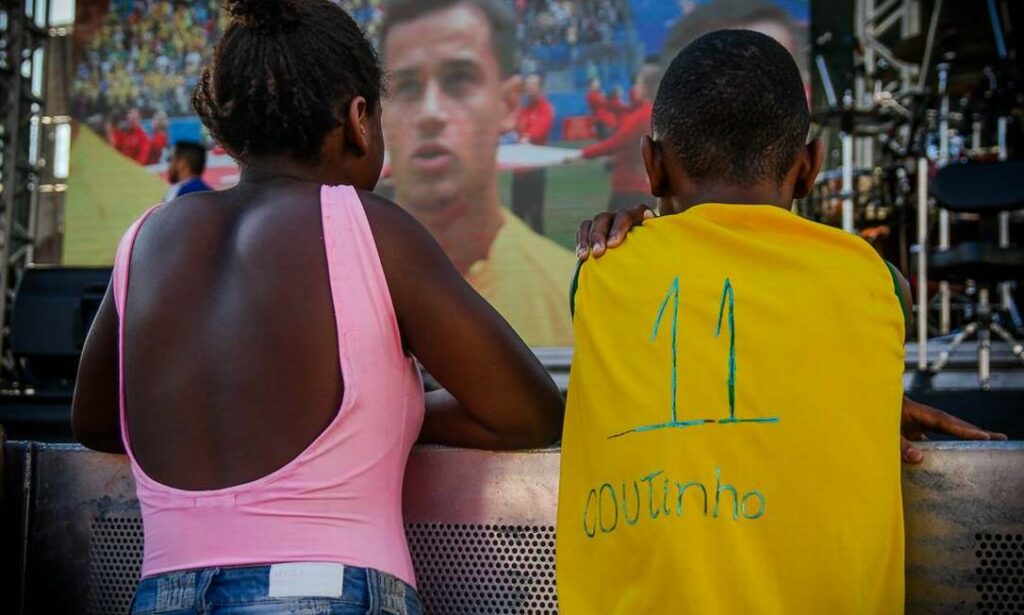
column 306, row 589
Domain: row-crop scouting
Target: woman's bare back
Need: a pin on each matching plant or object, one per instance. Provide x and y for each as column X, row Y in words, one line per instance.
column 231, row 355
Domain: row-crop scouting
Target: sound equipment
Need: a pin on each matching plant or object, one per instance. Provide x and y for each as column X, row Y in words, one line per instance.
column 51, row 314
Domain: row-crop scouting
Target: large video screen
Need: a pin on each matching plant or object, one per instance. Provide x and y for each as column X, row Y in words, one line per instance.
column 506, row 123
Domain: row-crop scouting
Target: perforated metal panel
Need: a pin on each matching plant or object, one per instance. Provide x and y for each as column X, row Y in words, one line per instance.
column 484, row 569
column 460, row 569
column 115, row 562
column 481, row 535
column 1000, row 573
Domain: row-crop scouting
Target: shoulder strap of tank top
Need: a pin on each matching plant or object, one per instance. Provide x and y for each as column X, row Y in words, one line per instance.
column 362, row 302
column 122, row 260
column 122, row 263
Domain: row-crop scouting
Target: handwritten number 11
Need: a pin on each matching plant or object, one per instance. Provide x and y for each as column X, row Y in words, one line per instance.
column 728, row 297
column 673, row 294
column 727, row 293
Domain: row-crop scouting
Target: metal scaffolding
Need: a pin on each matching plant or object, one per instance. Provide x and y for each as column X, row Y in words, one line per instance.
column 26, row 141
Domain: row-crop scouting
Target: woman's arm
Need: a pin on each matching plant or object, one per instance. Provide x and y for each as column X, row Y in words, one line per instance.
column 497, row 394
column 95, row 419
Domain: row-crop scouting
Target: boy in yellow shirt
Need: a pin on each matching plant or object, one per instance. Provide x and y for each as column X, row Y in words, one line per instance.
column 733, row 448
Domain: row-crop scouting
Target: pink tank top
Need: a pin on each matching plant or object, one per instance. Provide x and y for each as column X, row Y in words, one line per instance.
column 340, row 500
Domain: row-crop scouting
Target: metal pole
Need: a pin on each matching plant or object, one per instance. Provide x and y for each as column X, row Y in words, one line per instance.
column 944, row 292
column 826, row 81
column 847, row 141
column 984, row 340
column 862, row 10
column 1004, row 217
column 929, row 45
column 1005, row 299
column 35, row 134
column 12, row 142
column 922, row 264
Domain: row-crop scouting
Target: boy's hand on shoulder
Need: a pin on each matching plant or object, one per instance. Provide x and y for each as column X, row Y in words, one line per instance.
column 917, row 418
column 608, row 230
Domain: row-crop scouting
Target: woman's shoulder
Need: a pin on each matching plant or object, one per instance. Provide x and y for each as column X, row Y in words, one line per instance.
column 256, row 226
column 390, row 223
column 409, row 254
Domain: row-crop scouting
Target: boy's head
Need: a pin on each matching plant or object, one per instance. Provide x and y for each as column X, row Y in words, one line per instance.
column 730, row 125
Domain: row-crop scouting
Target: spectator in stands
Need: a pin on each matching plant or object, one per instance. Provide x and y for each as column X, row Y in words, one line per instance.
column 601, row 115
column 615, row 104
column 571, row 22
column 537, row 116
column 629, row 179
column 128, row 136
column 264, row 385
column 159, row 141
column 454, row 91
column 145, row 54
column 185, row 170
column 533, row 126
column 636, row 96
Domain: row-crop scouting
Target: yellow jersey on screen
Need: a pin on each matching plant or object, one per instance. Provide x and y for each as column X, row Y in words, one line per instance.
column 524, row 277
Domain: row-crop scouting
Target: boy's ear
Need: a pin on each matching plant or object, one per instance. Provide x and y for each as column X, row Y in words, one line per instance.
column 654, row 161
column 810, row 163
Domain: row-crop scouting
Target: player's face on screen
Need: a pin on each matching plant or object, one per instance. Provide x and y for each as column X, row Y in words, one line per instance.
column 448, row 105
column 776, row 30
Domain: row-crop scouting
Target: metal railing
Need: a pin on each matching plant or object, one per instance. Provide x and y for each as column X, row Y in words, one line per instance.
column 481, row 529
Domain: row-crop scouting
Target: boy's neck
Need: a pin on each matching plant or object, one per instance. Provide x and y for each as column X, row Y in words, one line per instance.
column 767, row 194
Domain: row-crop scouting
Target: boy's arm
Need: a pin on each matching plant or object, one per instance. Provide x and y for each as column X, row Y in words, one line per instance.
column 903, row 293
column 916, row 418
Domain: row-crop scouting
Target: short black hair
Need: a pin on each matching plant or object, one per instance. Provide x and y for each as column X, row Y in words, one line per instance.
column 499, row 15
column 193, row 153
column 281, row 74
column 732, row 108
column 718, row 15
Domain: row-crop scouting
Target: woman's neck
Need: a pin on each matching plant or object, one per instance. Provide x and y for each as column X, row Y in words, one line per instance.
column 276, row 167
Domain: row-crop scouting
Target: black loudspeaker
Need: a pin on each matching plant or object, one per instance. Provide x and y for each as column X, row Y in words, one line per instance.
column 51, row 314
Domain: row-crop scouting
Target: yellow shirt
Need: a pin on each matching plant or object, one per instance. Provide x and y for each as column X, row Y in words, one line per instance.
column 526, row 278
column 732, row 426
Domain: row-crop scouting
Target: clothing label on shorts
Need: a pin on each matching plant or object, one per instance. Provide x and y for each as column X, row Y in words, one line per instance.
column 319, row 579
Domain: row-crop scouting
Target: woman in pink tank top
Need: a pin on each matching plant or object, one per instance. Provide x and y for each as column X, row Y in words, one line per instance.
column 254, row 354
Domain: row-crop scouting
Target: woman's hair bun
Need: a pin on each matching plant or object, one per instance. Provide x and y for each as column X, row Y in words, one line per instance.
column 267, row 16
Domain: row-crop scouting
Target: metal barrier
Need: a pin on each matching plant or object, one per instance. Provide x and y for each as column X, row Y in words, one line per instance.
column 481, row 530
